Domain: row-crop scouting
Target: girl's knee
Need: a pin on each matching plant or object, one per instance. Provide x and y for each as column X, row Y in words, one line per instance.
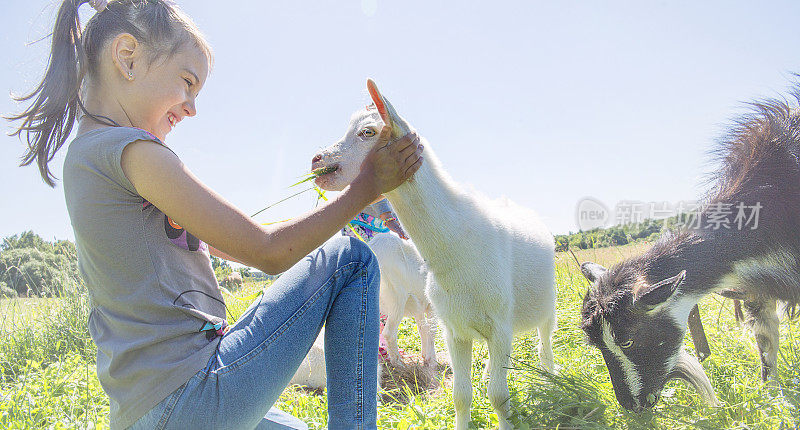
column 353, row 248
column 349, row 250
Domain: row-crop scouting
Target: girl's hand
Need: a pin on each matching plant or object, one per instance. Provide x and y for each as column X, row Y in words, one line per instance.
column 389, row 164
column 389, row 219
column 394, row 226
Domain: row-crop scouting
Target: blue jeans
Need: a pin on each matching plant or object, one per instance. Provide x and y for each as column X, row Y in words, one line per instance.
column 336, row 285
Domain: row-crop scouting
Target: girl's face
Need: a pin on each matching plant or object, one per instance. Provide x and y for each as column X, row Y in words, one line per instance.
column 163, row 93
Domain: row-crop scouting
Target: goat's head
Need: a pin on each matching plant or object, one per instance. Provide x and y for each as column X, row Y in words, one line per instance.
column 349, row 152
column 639, row 326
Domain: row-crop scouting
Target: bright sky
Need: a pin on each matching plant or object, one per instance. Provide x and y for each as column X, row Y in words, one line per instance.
column 544, row 102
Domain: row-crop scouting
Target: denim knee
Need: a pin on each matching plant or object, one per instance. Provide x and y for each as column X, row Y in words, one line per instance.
column 352, row 249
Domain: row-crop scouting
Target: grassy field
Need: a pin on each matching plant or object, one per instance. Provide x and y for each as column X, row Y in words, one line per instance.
column 47, row 376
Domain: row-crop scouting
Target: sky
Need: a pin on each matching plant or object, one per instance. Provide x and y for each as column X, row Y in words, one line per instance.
column 547, row 103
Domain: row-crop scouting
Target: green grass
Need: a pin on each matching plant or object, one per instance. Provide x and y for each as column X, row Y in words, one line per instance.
column 48, row 378
column 47, row 365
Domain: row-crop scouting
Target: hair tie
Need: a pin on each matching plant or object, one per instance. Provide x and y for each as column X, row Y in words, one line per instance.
column 99, row 5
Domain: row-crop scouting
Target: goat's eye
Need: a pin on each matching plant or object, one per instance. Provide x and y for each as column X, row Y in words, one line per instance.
column 367, row 132
column 627, row 344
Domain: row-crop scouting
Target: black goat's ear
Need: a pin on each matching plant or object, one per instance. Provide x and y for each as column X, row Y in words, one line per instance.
column 592, row 271
column 659, row 292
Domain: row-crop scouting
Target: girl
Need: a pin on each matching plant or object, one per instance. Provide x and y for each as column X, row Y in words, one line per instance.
column 144, row 227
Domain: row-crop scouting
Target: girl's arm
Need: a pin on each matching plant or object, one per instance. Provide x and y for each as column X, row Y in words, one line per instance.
column 219, row 254
column 161, row 178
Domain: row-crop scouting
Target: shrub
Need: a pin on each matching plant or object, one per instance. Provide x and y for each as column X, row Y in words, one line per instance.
column 29, row 263
column 5, row 291
column 43, row 273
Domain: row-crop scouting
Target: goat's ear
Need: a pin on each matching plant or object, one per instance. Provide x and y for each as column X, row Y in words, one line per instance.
column 653, row 295
column 592, row 271
column 386, row 110
column 378, row 99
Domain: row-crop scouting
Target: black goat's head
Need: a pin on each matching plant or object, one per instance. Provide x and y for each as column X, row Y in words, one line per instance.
column 639, row 326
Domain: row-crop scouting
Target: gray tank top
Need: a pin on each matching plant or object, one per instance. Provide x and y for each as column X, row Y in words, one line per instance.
column 150, row 282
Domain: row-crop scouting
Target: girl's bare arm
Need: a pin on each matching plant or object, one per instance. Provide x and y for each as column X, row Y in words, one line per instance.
column 217, row 253
column 161, row 178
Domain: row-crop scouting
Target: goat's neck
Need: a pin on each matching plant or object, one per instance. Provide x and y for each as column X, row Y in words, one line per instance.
column 707, row 257
column 428, row 206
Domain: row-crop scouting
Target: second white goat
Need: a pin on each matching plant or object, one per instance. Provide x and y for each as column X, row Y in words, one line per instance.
column 403, row 277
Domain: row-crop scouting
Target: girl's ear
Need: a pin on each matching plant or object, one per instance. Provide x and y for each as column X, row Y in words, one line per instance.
column 377, row 98
column 125, row 53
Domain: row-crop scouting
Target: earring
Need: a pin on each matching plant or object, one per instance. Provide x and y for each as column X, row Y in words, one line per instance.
column 130, row 76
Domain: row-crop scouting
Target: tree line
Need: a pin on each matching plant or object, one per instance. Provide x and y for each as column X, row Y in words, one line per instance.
column 31, row 266
column 648, row 230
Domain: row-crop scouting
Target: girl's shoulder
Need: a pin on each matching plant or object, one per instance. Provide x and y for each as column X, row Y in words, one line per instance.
column 111, row 135
column 107, row 143
column 98, row 152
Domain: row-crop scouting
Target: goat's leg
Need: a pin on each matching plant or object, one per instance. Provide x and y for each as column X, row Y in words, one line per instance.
column 499, row 353
column 461, row 357
column 425, row 325
column 762, row 317
column 737, row 311
column 394, row 315
column 546, row 345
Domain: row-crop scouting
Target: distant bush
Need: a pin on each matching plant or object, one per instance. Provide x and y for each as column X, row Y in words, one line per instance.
column 5, row 291
column 221, row 268
column 31, row 265
column 257, row 275
column 648, row 230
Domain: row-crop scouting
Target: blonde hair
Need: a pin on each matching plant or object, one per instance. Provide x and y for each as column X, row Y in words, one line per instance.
column 55, row 103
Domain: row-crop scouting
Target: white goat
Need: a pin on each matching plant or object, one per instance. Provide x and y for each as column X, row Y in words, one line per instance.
column 491, row 263
column 312, row 371
column 402, row 294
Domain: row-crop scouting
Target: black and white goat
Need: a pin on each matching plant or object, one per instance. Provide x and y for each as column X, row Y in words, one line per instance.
column 745, row 244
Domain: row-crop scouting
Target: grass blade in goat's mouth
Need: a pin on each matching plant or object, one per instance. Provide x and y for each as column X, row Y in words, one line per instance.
column 316, row 173
column 323, row 171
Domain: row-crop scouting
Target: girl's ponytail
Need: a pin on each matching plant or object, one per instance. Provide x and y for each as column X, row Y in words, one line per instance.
column 48, row 121
column 56, row 102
